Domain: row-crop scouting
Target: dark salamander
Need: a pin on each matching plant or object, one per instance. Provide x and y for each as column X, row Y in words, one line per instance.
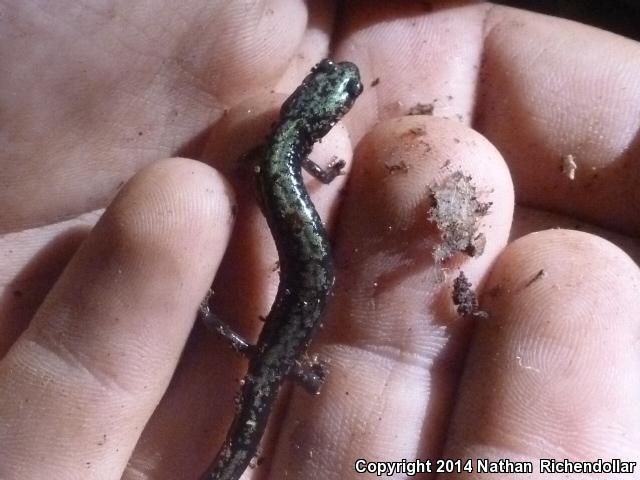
column 306, row 269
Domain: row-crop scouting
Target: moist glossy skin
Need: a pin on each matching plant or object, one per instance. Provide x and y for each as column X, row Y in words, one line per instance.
column 306, row 269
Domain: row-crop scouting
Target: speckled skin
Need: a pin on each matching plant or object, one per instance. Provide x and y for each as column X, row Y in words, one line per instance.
column 306, row 269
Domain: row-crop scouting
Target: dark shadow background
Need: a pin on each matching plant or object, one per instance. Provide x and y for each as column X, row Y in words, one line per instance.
column 619, row 16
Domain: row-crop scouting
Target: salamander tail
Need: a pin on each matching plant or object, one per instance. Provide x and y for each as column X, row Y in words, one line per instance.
column 242, row 441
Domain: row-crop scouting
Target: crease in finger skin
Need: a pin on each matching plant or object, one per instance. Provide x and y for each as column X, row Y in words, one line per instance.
column 528, row 220
column 553, row 372
column 78, row 386
column 32, row 261
column 393, row 339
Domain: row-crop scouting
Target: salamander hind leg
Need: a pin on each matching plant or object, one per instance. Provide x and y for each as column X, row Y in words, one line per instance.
column 325, row 175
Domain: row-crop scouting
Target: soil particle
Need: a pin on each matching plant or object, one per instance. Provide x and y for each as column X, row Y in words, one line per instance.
column 422, row 109
column 465, row 299
column 569, row 166
column 455, row 209
column 397, row 167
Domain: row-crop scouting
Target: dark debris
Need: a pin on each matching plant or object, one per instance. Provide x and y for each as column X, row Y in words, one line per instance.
column 465, row 299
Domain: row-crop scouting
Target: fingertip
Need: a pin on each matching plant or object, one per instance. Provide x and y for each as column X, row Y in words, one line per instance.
column 401, row 161
column 561, row 254
column 555, row 359
column 173, row 202
column 100, row 351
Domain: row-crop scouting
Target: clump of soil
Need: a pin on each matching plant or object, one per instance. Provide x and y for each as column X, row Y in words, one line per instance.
column 455, row 209
column 398, row 167
column 569, row 166
column 465, row 299
column 422, row 109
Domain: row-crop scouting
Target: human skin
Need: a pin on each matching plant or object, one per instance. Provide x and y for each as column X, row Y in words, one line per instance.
column 103, row 374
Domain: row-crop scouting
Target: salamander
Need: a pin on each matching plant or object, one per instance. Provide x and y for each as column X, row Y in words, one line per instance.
column 306, row 269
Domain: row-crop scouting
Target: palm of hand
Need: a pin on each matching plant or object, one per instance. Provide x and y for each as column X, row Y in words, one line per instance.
column 114, row 90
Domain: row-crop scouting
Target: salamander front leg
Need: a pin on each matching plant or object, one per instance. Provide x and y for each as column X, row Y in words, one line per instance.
column 325, row 175
column 213, row 322
column 310, row 373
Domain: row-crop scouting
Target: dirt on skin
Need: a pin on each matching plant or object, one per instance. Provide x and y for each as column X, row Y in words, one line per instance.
column 399, row 167
column 455, row 209
column 422, row 109
column 465, row 299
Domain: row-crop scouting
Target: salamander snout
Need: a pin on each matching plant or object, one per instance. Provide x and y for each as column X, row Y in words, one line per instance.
column 327, row 93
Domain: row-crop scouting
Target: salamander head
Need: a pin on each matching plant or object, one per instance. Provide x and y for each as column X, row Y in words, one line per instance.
column 327, row 93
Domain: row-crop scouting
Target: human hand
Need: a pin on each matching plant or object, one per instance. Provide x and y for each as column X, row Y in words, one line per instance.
column 542, row 377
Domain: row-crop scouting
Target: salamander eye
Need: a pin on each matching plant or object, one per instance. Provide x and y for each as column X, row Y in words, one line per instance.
column 325, row 65
column 354, row 87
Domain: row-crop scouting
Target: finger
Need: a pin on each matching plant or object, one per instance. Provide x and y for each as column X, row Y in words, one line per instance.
column 567, row 124
column 437, row 47
column 32, row 261
column 553, row 372
column 78, row 386
column 314, row 45
column 149, row 78
column 394, row 341
column 515, row 76
column 192, row 421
